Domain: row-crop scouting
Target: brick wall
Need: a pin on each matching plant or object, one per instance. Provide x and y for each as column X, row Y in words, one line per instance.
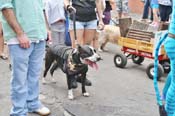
column 136, row 6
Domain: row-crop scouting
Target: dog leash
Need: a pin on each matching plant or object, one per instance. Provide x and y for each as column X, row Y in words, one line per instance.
column 74, row 26
column 162, row 111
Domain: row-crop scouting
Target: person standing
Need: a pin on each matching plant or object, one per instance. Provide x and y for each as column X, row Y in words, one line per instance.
column 24, row 28
column 147, row 6
column 56, row 18
column 155, row 8
column 122, row 8
column 165, row 9
column 86, row 19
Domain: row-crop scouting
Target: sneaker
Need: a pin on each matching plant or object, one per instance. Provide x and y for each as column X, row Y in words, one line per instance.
column 87, row 82
column 43, row 111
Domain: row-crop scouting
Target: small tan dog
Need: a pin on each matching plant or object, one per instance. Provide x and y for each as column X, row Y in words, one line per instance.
column 110, row 33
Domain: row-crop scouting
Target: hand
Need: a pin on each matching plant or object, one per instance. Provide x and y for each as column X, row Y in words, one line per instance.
column 71, row 9
column 100, row 25
column 49, row 37
column 23, row 41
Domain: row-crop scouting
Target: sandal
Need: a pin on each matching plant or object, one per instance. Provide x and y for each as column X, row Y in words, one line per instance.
column 3, row 57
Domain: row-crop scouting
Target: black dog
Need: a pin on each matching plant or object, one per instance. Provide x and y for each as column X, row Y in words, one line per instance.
column 73, row 62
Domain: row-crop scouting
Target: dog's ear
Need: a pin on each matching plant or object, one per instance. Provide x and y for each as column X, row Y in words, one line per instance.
column 79, row 48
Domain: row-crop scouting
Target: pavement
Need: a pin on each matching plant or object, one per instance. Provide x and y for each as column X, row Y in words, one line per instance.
column 115, row 91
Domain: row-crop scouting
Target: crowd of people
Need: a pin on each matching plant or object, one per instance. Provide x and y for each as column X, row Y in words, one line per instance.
column 160, row 11
column 24, row 27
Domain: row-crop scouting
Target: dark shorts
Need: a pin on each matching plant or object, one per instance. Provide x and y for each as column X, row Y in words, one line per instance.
column 165, row 12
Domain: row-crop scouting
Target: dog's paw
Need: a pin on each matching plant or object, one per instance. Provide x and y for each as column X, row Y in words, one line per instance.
column 43, row 81
column 70, row 95
column 86, row 94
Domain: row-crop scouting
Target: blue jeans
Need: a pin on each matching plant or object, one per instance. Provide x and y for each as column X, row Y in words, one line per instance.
column 146, row 10
column 26, row 69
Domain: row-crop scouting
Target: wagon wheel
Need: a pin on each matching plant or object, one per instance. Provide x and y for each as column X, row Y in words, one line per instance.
column 150, row 71
column 137, row 59
column 166, row 65
column 120, row 60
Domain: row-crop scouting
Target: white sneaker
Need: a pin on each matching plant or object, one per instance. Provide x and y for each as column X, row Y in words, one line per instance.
column 43, row 111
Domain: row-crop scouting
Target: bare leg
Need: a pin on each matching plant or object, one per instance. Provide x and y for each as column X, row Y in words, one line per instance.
column 89, row 35
column 79, row 37
column 94, row 42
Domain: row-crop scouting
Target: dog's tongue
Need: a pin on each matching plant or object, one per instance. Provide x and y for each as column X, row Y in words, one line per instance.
column 95, row 66
column 92, row 64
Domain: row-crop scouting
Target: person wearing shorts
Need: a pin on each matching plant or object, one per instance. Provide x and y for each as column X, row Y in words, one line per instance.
column 155, row 7
column 86, row 20
column 122, row 8
column 165, row 9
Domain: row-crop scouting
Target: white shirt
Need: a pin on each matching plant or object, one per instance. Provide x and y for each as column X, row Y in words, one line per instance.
column 54, row 10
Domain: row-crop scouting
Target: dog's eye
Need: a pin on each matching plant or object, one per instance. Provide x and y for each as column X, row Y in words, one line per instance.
column 95, row 51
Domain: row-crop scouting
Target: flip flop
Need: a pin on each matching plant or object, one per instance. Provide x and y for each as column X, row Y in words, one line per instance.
column 3, row 57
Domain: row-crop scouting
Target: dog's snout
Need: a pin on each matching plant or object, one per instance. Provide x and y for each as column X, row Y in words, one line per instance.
column 99, row 58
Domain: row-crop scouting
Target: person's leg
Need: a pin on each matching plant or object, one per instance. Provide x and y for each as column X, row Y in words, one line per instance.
column 146, row 10
column 170, row 96
column 166, row 86
column 19, row 86
column 89, row 32
column 155, row 8
column 58, row 33
column 151, row 17
column 119, row 8
column 61, row 38
column 125, row 9
column 94, row 42
column 162, row 11
column 33, row 75
column 79, row 32
column 168, row 12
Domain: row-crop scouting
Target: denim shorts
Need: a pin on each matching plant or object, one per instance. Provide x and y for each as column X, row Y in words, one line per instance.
column 83, row 25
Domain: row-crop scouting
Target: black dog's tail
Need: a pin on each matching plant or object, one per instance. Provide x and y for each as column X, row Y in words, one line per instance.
column 49, row 59
column 53, row 68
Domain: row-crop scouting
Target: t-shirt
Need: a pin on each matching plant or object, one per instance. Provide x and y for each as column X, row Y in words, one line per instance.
column 85, row 10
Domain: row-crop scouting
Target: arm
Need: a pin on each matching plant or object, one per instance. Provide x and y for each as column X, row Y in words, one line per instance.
column 49, row 38
column 46, row 16
column 66, row 3
column 68, row 6
column 9, row 15
column 100, row 13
